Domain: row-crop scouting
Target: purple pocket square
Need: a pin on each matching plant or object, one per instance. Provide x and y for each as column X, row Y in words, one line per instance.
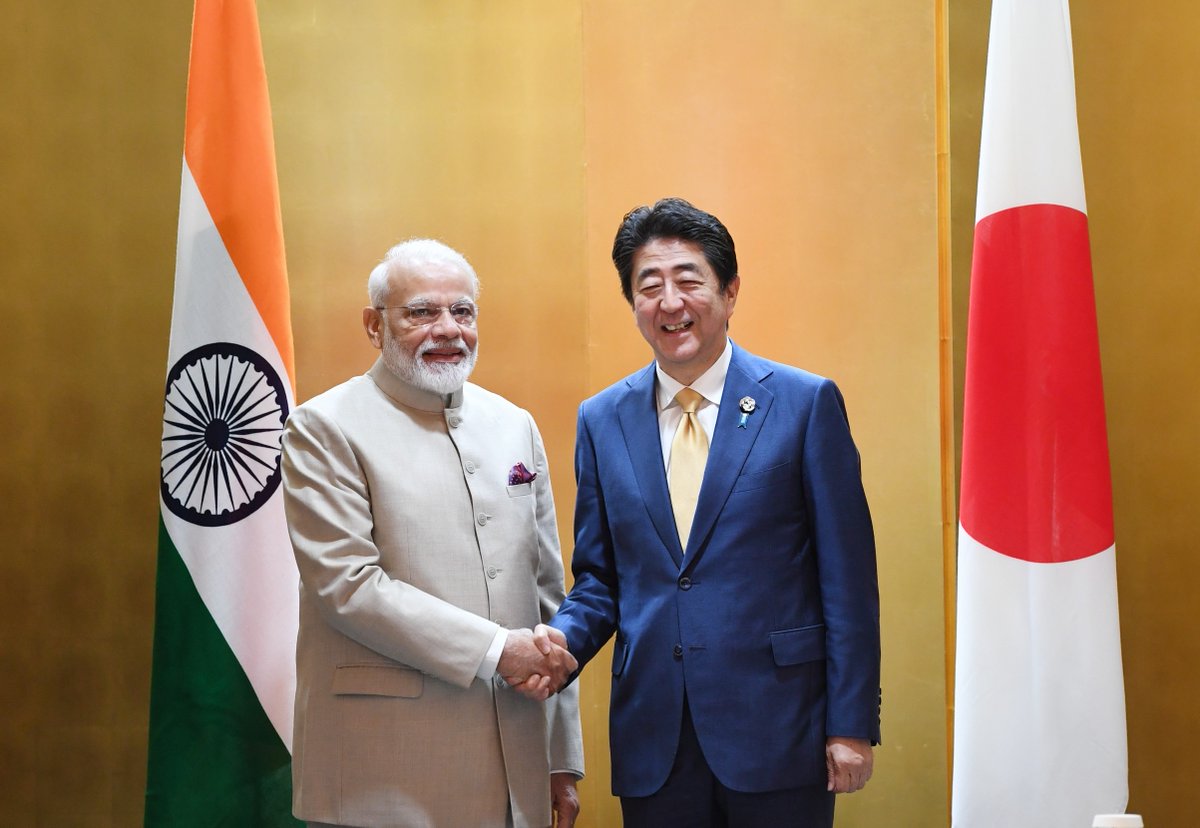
column 519, row 474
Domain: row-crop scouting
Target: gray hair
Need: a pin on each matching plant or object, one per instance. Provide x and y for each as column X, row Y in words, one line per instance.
column 414, row 253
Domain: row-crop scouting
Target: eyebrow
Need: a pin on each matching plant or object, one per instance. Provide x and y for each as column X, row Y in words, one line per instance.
column 685, row 267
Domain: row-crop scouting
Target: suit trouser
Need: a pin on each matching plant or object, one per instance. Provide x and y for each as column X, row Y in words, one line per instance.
column 692, row 797
column 508, row 821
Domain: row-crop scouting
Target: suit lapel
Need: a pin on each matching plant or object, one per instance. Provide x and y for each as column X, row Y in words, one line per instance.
column 638, row 413
column 731, row 443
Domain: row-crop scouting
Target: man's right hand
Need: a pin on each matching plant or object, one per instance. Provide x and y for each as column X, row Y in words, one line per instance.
column 537, row 663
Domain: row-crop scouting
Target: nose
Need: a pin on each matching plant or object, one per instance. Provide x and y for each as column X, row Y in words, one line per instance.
column 444, row 327
column 671, row 299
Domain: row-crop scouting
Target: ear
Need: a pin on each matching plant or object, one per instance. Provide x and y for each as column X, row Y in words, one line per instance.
column 373, row 325
column 731, row 292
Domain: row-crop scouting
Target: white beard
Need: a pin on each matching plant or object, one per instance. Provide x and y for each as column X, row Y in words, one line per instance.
column 440, row 378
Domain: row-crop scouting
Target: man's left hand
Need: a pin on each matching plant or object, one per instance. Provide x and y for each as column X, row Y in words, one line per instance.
column 848, row 763
column 564, row 799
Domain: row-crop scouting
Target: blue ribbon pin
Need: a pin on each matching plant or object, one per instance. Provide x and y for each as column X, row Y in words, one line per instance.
column 747, row 406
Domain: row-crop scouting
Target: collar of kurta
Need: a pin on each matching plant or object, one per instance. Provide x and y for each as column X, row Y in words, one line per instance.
column 409, row 395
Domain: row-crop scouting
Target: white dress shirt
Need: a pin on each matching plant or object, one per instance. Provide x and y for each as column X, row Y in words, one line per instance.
column 710, row 385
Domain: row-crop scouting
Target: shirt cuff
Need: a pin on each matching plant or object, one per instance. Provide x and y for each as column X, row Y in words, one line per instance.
column 487, row 667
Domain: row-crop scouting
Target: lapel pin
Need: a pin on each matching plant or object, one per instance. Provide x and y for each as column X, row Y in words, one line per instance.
column 747, row 406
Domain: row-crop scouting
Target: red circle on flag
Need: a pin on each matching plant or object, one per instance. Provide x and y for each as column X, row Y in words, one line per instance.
column 1035, row 476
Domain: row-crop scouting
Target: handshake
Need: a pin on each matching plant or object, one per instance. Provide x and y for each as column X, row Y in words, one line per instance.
column 536, row 662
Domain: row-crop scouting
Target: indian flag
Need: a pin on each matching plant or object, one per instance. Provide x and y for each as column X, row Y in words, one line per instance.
column 226, row 614
column 1039, row 721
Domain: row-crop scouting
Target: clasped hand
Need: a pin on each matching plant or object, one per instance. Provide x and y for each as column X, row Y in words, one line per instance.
column 536, row 662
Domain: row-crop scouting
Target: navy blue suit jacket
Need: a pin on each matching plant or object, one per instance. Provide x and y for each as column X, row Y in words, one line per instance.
column 769, row 622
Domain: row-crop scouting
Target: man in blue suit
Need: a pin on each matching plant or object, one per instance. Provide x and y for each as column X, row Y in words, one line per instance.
column 745, row 676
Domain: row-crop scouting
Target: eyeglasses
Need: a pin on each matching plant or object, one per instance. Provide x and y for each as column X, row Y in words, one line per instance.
column 422, row 315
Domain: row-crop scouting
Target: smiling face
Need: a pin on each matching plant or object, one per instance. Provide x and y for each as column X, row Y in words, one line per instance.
column 679, row 306
column 436, row 357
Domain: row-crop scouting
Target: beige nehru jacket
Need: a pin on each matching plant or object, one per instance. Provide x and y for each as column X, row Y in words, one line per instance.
column 413, row 550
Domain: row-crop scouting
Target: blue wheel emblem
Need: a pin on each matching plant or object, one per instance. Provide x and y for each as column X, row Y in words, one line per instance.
column 222, row 425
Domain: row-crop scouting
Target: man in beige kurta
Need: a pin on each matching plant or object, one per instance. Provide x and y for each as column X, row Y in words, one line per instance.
column 423, row 523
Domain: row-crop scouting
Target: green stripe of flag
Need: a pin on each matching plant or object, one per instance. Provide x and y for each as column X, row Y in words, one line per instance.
column 215, row 758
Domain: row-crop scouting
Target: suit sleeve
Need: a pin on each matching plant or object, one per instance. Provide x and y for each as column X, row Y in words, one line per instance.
column 330, row 523
column 588, row 617
column 562, row 710
column 845, row 545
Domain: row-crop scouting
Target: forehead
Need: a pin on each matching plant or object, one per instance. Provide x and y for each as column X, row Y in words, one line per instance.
column 663, row 257
column 440, row 281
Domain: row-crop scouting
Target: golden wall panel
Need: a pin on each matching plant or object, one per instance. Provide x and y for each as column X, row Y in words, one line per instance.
column 1135, row 70
column 519, row 132
column 809, row 129
column 91, row 137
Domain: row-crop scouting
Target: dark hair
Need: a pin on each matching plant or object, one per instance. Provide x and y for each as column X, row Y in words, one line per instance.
column 673, row 218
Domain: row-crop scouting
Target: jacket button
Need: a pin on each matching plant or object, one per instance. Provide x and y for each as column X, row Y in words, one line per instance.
column 469, row 466
column 685, row 582
column 677, row 652
column 455, row 421
column 482, row 518
column 491, row 572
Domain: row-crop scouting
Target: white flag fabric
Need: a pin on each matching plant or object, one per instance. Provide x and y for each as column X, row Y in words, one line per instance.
column 1039, row 722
